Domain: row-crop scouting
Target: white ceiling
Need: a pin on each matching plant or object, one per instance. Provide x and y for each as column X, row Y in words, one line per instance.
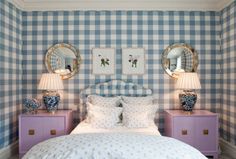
column 173, row 5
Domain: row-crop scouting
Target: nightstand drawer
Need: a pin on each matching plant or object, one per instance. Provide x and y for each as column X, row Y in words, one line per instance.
column 53, row 127
column 183, row 129
column 206, row 132
column 31, row 132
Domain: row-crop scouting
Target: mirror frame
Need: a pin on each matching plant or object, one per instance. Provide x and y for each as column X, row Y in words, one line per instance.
column 59, row 45
column 176, row 45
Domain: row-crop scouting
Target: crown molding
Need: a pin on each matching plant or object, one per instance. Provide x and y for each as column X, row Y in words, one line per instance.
column 222, row 4
column 18, row 3
column 181, row 5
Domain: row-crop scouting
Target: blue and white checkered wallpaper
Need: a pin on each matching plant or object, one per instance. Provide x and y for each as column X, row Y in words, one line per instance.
column 228, row 109
column 152, row 30
column 10, row 72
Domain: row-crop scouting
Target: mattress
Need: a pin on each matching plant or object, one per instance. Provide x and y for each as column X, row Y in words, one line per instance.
column 84, row 128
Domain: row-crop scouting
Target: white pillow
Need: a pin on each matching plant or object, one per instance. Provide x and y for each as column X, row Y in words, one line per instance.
column 138, row 100
column 104, row 101
column 104, row 110
column 104, row 117
column 137, row 108
column 136, row 120
column 103, row 121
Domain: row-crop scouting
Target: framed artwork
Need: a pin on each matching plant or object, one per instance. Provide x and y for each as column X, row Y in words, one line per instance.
column 133, row 61
column 103, row 61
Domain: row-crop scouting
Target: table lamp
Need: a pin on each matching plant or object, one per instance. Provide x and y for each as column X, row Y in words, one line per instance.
column 50, row 83
column 188, row 82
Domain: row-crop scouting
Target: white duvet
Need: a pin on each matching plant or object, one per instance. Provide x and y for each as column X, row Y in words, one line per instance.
column 113, row 146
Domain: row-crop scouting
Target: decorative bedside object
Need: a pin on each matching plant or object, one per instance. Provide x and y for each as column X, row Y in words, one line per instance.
column 199, row 129
column 31, row 105
column 50, row 83
column 34, row 128
column 188, row 82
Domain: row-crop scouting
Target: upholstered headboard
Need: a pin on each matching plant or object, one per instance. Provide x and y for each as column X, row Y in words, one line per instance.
column 112, row 88
column 116, row 88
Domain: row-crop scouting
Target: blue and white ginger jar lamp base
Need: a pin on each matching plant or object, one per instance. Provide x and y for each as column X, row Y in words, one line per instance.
column 188, row 100
column 51, row 101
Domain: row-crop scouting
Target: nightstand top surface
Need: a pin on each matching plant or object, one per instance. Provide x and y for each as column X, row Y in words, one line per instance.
column 45, row 113
column 193, row 113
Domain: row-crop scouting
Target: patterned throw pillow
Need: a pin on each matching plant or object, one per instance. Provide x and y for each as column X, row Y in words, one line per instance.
column 102, row 121
column 104, row 117
column 150, row 110
column 138, row 100
column 136, row 120
column 104, row 101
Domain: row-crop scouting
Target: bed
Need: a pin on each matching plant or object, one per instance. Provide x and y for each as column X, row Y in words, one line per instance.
column 124, row 140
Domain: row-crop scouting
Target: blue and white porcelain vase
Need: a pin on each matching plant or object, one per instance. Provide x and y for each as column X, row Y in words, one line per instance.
column 187, row 100
column 31, row 105
column 51, row 102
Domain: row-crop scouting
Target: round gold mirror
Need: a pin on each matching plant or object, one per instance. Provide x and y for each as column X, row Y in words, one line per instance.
column 63, row 59
column 178, row 58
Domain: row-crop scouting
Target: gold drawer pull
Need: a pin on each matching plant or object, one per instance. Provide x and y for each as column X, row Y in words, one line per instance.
column 205, row 132
column 184, row 132
column 53, row 132
column 31, row 132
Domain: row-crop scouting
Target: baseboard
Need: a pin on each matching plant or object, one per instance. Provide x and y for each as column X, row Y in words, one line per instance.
column 227, row 148
column 9, row 151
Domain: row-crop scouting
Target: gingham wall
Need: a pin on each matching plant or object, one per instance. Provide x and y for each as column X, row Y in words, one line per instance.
column 228, row 115
column 153, row 30
column 10, row 72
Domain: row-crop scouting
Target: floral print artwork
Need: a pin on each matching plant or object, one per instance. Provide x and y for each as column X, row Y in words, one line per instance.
column 104, row 61
column 133, row 60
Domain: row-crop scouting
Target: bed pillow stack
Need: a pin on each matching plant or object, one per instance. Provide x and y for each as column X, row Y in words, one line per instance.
column 103, row 112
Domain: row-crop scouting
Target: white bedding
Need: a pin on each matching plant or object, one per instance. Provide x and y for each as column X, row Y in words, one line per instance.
column 113, row 146
column 84, row 127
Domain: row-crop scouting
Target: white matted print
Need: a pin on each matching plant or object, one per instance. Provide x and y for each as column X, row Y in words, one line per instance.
column 103, row 60
column 133, row 61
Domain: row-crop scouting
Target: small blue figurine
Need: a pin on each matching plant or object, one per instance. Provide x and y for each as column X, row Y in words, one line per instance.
column 31, row 105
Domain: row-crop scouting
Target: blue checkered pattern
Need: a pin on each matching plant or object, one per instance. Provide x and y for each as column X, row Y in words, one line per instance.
column 188, row 62
column 10, row 72
column 57, row 61
column 115, row 88
column 152, row 30
column 228, row 115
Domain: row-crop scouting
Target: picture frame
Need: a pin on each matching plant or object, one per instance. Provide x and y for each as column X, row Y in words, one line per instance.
column 103, row 61
column 133, row 61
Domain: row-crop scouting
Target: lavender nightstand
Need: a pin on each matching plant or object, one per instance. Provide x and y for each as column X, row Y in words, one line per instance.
column 199, row 129
column 34, row 128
